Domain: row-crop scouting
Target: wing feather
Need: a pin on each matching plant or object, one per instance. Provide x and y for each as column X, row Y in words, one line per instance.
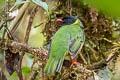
column 76, row 45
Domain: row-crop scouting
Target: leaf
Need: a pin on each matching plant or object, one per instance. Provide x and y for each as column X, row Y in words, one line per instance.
column 42, row 4
column 18, row 3
column 97, row 77
column 25, row 70
column 106, row 74
column 30, row 56
column 14, row 74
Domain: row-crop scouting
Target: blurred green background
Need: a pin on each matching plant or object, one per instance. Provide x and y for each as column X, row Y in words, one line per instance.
column 108, row 7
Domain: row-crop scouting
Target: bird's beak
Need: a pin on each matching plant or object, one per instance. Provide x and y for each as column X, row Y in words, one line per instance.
column 60, row 20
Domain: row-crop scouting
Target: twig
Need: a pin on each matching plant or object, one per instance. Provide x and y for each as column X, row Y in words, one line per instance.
column 3, row 36
column 33, row 77
column 82, row 57
column 1, row 25
column 38, row 25
column 33, row 12
column 100, row 64
column 112, row 55
column 9, row 33
column 70, row 9
column 93, row 51
column 15, row 22
column 16, row 26
column 19, row 69
column 104, row 63
column 42, row 72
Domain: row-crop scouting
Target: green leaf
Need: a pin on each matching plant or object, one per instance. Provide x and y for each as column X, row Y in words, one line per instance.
column 14, row 74
column 30, row 56
column 25, row 70
column 42, row 4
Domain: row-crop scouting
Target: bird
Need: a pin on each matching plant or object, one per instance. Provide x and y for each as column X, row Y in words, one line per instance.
column 67, row 41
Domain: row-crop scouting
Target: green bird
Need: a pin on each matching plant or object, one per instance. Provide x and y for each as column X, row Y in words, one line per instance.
column 67, row 41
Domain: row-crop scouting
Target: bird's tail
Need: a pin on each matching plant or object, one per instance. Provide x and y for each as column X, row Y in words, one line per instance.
column 53, row 65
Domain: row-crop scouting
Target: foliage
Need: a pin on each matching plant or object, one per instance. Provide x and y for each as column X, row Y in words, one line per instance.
column 43, row 5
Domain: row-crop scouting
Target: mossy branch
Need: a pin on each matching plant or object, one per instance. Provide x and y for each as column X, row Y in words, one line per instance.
column 16, row 47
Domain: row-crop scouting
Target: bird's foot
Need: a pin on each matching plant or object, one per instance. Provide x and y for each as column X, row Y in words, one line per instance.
column 74, row 63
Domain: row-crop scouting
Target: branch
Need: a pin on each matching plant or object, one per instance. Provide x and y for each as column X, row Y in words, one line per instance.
column 16, row 47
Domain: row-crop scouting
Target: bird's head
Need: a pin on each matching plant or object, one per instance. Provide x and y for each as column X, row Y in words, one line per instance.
column 67, row 20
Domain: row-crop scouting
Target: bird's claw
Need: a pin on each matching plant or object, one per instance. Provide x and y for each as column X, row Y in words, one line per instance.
column 74, row 63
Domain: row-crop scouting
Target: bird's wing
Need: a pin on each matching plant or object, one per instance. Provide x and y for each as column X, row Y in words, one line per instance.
column 76, row 45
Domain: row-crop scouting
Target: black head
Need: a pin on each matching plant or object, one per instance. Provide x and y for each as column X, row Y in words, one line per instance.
column 67, row 20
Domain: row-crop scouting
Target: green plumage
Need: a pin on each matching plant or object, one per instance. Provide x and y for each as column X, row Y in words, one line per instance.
column 68, row 38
